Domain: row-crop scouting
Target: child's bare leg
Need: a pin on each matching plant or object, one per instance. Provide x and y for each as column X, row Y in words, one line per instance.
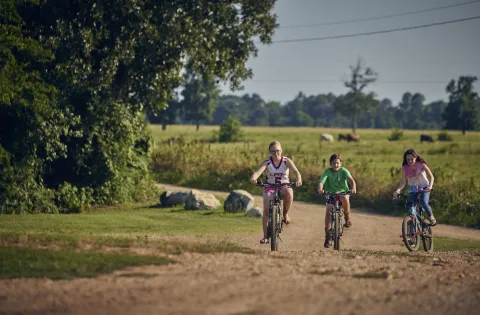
column 346, row 210
column 328, row 225
column 328, row 217
column 287, row 196
column 266, row 210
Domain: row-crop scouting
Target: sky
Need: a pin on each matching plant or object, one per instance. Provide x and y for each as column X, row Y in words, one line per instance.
column 422, row 60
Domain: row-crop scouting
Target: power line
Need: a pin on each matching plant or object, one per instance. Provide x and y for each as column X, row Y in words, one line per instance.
column 374, row 32
column 379, row 17
column 339, row 81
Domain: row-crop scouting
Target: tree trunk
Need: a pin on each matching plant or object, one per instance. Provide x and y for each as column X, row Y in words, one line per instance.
column 164, row 126
column 198, row 125
column 354, row 118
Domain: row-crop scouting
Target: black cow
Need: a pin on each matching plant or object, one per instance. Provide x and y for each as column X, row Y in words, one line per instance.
column 426, row 138
column 348, row 137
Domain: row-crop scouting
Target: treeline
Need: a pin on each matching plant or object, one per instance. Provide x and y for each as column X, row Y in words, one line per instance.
column 200, row 101
column 320, row 111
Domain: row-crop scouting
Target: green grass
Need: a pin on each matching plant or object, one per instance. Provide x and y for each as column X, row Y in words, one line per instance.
column 129, row 223
column 445, row 244
column 79, row 239
column 37, row 263
column 374, row 162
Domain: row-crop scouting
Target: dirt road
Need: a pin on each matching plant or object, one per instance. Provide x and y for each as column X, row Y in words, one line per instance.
column 373, row 275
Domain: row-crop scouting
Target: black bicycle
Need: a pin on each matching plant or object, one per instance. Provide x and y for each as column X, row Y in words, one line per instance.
column 414, row 228
column 275, row 214
column 336, row 232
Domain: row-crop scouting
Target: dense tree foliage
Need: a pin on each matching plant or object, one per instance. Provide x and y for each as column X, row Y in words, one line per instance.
column 463, row 109
column 78, row 74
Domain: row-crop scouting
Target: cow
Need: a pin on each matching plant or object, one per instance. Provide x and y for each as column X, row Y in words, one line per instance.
column 348, row 137
column 426, row 138
column 353, row 138
column 326, row 137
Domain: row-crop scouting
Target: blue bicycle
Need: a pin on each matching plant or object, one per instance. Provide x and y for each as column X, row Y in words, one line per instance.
column 414, row 228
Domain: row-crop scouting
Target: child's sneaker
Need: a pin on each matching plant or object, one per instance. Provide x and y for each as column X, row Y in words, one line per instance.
column 433, row 222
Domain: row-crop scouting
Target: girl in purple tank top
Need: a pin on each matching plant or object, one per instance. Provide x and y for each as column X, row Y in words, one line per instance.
column 417, row 176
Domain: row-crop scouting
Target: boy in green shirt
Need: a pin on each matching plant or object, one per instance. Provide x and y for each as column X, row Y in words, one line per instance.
column 336, row 179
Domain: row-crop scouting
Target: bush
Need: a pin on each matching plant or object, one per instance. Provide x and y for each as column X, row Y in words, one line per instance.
column 396, row 135
column 72, row 199
column 230, row 130
column 444, row 136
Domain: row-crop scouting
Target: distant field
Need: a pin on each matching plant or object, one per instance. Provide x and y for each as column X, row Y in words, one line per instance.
column 374, row 162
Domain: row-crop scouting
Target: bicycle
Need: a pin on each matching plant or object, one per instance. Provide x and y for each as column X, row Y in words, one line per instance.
column 275, row 214
column 336, row 232
column 414, row 225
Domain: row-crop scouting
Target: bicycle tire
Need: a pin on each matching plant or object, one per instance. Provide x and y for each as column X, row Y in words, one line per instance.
column 274, row 228
column 411, row 241
column 337, row 231
column 427, row 238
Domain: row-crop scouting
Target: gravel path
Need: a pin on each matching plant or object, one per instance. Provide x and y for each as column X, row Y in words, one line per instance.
column 373, row 275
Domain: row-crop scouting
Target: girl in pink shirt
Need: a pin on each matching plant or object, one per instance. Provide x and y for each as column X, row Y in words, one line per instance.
column 418, row 177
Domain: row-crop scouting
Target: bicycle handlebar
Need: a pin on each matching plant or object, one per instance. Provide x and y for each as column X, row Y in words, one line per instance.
column 344, row 193
column 266, row 184
column 418, row 192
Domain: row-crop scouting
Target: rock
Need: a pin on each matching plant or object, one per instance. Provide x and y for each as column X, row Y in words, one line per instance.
column 170, row 198
column 254, row 212
column 238, row 201
column 198, row 200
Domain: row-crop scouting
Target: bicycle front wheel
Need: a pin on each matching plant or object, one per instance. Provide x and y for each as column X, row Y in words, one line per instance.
column 275, row 227
column 410, row 233
column 427, row 238
column 337, row 231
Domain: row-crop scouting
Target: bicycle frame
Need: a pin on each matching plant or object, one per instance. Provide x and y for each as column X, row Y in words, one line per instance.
column 420, row 226
column 275, row 222
column 336, row 217
column 418, row 211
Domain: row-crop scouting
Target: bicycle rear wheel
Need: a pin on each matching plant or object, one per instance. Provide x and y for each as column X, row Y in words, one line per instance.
column 275, row 229
column 337, row 232
column 427, row 238
column 410, row 233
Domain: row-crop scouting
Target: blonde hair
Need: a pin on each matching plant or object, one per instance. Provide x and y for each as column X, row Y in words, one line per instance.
column 274, row 143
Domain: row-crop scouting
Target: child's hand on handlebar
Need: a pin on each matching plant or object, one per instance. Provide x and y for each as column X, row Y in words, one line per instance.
column 395, row 195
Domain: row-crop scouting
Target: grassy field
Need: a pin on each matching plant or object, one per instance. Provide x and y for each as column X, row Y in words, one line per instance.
column 102, row 240
column 188, row 158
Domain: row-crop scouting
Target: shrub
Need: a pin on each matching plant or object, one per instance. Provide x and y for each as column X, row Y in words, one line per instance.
column 444, row 136
column 396, row 135
column 230, row 130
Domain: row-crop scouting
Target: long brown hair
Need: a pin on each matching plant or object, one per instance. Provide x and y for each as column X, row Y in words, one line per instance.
column 415, row 155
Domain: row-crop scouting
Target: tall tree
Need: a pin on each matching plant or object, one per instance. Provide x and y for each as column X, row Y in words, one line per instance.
column 412, row 109
column 274, row 113
column 355, row 100
column 200, row 95
column 462, row 112
column 255, row 110
column 166, row 116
